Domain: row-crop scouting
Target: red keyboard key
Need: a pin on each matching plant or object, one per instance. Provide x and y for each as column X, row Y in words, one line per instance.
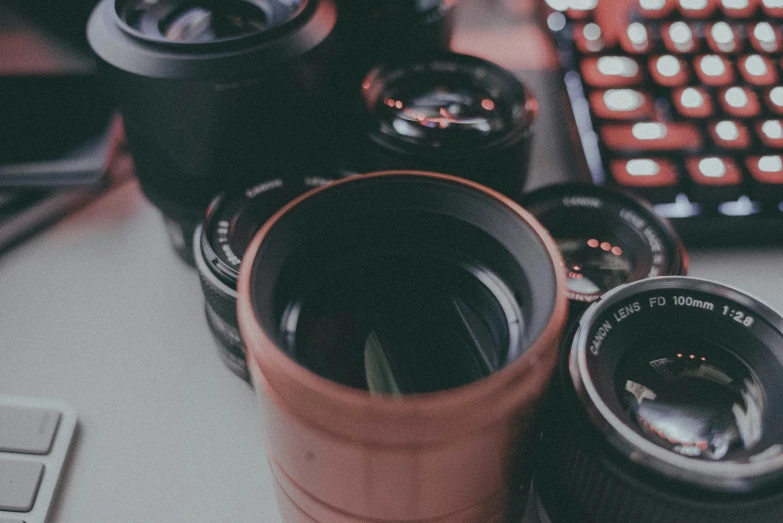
column 636, row 39
column 587, row 38
column 651, row 136
column 723, row 38
column 728, row 134
column 765, row 38
column 653, row 178
column 773, row 98
column 622, row 104
column 669, row 71
column 757, row 70
column 739, row 8
column 766, row 169
column 693, row 102
column 697, row 8
column 772, row 8
column 678, row 37
column 770, row 132
column 714, row 70
column 654, row 9
column 611, row 71
column 713, row 171
column 740, row 102
column 580, row 9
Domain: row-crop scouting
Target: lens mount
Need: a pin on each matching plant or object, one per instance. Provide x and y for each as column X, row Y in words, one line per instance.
column 728, row 341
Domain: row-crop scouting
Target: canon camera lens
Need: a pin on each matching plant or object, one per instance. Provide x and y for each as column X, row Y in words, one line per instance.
column 213, row 92
column 667, row 409
column 218, row 247
column 455, row 114
column 607, row 238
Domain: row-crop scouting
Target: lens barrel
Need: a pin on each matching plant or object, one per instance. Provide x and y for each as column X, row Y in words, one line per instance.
column 453, row 113
column 607, row 238
column 402, row 237
column 214, row 92
column 218, row 247
column 667, row 409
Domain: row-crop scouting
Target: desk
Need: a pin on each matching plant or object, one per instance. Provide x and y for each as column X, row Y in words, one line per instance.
column 98, row 311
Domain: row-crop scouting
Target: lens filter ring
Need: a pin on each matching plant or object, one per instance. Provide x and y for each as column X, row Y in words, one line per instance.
column 672, row 398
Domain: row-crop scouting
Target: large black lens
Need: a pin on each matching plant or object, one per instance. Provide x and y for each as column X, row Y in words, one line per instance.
column 454, row 113
column 606, row 238
column 213, row 93
column 402, row 284
column 218, row 246
column 668, row 409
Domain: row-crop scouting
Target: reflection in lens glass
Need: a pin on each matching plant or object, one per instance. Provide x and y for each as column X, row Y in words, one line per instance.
column 692, row 398
column 594, row 266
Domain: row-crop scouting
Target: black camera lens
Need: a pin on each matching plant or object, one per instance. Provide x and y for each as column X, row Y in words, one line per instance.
column 606, row 238
column 667, row 409
column 219, row 244
column 456, row 114
column 403, row 284
column 214, row 92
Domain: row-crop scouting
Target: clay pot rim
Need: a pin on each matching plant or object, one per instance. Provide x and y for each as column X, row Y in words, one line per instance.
column 502, row 388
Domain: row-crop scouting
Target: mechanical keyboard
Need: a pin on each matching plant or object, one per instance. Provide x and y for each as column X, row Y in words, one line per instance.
column 683, row 105
column 35, row 437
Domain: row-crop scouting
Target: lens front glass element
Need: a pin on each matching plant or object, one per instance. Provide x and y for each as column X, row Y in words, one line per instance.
column 692, row 397
column 204, row 21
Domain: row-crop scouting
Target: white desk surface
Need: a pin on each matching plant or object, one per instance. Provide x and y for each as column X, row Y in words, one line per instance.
column 98, row 311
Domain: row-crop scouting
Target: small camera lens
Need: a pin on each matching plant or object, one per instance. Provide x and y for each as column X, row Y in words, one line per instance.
column 219, row 244
column 606, row 238
column 454, row 113
column 666, row 409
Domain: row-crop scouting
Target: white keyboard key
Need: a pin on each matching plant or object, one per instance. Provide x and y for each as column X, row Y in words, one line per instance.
column 19, row 481
column 27, row 430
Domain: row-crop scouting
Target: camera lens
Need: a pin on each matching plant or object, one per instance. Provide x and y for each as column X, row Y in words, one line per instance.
column 456, row 114
column 218, row 246
column 668, row 409
column 606, row 238
column 214, row 92
column 384, row 313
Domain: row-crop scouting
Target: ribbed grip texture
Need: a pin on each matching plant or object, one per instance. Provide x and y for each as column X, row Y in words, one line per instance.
column 605, row 491
column 221, row 303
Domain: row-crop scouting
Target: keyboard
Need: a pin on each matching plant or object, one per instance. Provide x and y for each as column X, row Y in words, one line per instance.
column 681, row 103
column 35, row 436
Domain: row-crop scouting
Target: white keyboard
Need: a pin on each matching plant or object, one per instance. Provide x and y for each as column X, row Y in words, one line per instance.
column 35, row 436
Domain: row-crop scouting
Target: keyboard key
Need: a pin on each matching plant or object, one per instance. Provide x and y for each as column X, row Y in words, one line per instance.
column 765, row 38
column 651, row 136
column 739, row 8
column 654, row 9
column 611, row 71
column 697, row 8
column 766, row 169
column 580, row 9
column 653, row 178
column 770, row 132
column 728, row 134
column 723, row 38
column 27, row 430
column 713, row 170
column 19, row 482
column 714, row 70
column 757, row 70
column 587, row 38
column 636, row 39
column 6, row 520
column 772, row 8
column 740, row 102
column 669, row 71
column 692, row 102
column 773, row 98
column 621, row 104
column 678, row 37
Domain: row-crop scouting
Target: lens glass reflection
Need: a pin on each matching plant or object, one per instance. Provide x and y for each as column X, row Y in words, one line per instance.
column 692, row 397
column 595, row 265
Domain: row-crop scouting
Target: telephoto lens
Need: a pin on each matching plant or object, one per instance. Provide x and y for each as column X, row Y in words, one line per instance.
column 667, row 408
column 219, row 244
column 212, row 92
column 607, row 238
column 401, row 328
column 456, row 114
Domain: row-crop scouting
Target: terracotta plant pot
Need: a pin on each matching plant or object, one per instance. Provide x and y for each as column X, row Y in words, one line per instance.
column 343, row 454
